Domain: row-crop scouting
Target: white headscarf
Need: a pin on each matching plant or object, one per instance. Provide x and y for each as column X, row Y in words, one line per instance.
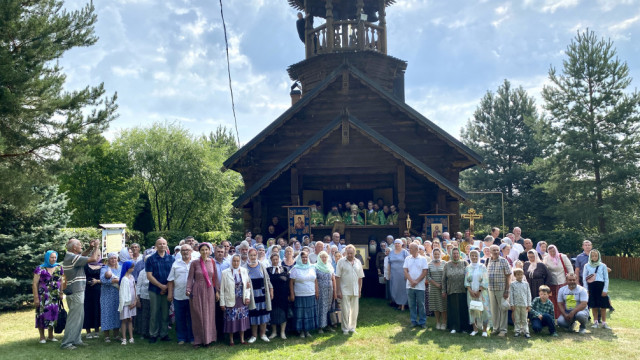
column 476, row 271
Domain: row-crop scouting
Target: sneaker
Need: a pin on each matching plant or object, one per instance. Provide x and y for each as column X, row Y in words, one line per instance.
column 582, row 331
column 124, row 342
column 264, row 338
column 131, row 341
column 595, row 325
column 453, row 331
column 69, row 347
column 302, row 335
column 43, row 341
column 484, row 334
column 473, row 333
column 527, row 336
column 52, row 339
column 606, row 326
column 251, row 340
column 555, row 334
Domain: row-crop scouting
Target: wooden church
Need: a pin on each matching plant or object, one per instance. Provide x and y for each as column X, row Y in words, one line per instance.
column 348, row 134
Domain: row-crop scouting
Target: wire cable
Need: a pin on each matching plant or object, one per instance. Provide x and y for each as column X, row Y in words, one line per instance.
column 226, row 43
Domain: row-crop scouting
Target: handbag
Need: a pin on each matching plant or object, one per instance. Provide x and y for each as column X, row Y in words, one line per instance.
column 476, row 305
column 61, row 323
column 591, row 278
column 381, row 279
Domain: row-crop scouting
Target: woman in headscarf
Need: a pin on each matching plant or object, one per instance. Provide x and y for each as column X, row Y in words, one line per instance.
column 262, row 296
column 387, row 287
column 326, row 290
column 127, row 302
column 110, row 297
column 303, row 292
column 595, row 275
column 456, row 294
column 201, row 290
column 559, row 266
column 505, row 251
column 92, row 299
column 446, row 255
column 47, row 294
column 437, row 304
column 476, row 280
column 279, row 277
column 380, row 256
column 289, row 261
column 262, row 256
column 535, row 272
column 235, row 299
column 143, row 316
column 541, row 248
column 396, row 271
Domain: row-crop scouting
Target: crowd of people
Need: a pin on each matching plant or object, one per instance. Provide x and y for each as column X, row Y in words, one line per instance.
column 262, row 291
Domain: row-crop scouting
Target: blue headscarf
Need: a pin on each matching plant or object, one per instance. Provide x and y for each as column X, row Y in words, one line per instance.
column 47, row 255
column 125, row 267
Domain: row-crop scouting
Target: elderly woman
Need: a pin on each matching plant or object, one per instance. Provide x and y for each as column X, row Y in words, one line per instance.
column 596, row 276
column 505, row 252
column 379, row 258
column 559, row 266
column 279, row 277
column 541, row 249
column 92, row 299
column 201, row 285
column 289, row 261
column 476, row 280
column 235, row 299
column 397, row 281
column 110, row 297
column 262, row 255
column 446, row 255
column 535, row 272
column 303, row 292
column 436, row 302
column 262, row 296
column 326, row 290
column 141, row 322
column 47, row 294
column 456, row 294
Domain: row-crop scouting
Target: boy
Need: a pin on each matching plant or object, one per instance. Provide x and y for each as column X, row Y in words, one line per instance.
column 520, row 301
column 542, row 312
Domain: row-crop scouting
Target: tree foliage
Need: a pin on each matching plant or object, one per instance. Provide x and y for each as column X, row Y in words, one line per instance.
column 595, row 166
column 182, row 177
column 509, row 134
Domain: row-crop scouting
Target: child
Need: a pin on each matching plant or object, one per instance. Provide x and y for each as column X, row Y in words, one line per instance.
column 542, row 312
column 128, row 298
column 520, row 301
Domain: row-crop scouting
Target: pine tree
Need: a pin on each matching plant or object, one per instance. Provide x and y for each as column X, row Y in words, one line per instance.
column 507, row 131
column 595, row 165
column 144, row 219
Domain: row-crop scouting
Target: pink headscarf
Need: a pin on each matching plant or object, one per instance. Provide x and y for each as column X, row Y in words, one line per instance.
column 556, row 259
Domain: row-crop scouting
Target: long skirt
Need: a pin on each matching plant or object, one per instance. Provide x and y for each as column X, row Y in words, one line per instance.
column 458, row 314
column 306, row 313
column 596, row 300
column 91, row 308
column 236, row 318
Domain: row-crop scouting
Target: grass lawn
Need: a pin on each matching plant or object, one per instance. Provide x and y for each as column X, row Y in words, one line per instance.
column 382, row 333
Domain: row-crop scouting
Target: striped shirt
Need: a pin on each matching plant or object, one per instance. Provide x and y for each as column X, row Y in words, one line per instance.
column 73, row 267
column 540, row 308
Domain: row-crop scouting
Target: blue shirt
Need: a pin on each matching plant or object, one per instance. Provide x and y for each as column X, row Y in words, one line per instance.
column 159, row 267
column 220, row 267
column 581, row 261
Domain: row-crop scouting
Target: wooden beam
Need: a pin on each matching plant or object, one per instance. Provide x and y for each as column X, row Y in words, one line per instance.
column 295, row 192
column 257, row 214
column 345, row 123
column 402, row 216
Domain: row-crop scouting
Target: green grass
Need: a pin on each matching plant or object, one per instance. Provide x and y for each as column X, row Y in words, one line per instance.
column 382, row 333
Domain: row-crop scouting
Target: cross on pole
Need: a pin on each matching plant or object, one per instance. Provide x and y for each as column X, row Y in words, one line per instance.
column 472, row 217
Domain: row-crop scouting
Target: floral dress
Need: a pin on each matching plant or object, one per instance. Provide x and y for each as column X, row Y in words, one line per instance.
column 49, row 295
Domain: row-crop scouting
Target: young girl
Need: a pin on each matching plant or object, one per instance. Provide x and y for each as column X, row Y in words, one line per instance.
column 127, row 306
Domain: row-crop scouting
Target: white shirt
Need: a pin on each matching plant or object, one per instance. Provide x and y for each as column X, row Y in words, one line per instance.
column 178, row 274
column 415, row 265
column 313, row 258
column 305, row 284
column 142, row 285
column 349, row 273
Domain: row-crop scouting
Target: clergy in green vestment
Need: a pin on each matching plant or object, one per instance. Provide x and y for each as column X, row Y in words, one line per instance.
column 333, row 215
column 315, row 217
column 372, row 215
column 354, row 218
column 392, row 219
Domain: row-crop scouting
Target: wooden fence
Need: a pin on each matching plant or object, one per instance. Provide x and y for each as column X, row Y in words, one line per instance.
column 627, row 268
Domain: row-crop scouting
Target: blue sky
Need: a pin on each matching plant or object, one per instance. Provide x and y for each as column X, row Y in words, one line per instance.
column 166, row 59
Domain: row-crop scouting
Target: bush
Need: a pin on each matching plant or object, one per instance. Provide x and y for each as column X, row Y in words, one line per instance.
column 214, row 237
column 567, row 242
column 83, row 234
column 134, row 236
column 173, row 237
column 621, row 243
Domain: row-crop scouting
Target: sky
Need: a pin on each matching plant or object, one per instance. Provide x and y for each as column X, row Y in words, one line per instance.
column 166, row 58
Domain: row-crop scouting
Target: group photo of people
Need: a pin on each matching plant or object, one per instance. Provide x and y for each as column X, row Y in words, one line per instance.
column 247, row 292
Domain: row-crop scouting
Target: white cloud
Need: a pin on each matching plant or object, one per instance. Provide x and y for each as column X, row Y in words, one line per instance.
column 501, row 10
column 625, row 24
column 550, row 6
column 126, row 72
